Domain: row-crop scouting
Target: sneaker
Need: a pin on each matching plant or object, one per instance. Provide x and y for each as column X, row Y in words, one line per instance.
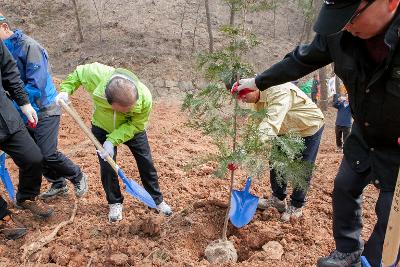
column 164, row 209
column 115, row 213
column 36, row 206
column 53, row 191
column 292, row 212
column 340, row 259
column 81, row 187
column 273, row 202
column 12, row 228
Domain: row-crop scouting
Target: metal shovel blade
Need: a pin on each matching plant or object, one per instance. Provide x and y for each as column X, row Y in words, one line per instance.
column 243, row 206
column 135, row 190
column 5, row 177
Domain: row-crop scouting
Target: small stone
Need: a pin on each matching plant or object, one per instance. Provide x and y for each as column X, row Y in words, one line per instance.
column 152, row 225
column 220, row 251
column 273, row 250
column 118, row 259
column 170, row 84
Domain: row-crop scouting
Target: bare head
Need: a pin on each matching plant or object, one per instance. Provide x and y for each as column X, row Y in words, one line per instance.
column 121, row 94
column 5, row 29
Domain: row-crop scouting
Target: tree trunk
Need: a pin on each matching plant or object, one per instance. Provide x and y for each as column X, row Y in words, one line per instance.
column 232, row 16
column 78, row 22
column 210, row 35
column 195, row 26
column 99, row 19
column 324, row 90
column 274, row 7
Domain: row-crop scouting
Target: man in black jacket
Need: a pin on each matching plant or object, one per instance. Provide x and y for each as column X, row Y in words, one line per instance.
column 362, row 39
column 16, row 142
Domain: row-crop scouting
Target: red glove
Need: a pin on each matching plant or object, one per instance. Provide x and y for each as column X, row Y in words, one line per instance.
column 242, row 92
column 232, row 166
column 33, row 124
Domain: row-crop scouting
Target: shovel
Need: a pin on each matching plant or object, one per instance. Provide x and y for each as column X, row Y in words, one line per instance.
column 243, row 206
column 5, row 177
column 131, row 187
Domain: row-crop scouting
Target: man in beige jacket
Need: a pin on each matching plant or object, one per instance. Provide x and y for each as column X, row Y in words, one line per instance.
column 289, row 110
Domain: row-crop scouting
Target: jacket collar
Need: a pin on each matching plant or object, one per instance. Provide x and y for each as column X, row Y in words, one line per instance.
column 393, row 32
column 16, row 36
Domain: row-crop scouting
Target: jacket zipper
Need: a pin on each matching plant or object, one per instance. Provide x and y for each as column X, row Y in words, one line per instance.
column 115, row 116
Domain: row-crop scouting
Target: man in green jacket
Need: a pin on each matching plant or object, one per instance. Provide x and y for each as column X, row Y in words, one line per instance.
column 122, row 106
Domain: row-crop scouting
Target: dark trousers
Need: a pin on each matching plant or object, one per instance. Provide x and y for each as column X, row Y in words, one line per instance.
column 314, row 97
column 3, row 208
column 309, row 154
column 27, row 156
column 347, row 214
column 56, row 166
column 139, row 146
column 342, row 132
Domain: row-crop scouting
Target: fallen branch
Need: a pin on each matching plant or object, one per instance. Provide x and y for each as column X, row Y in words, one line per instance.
column 37, row 245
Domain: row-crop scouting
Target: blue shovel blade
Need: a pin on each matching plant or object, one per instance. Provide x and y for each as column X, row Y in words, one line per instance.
column 243, row 206
column 364, row 262
column 5, row 177
column 135, row 190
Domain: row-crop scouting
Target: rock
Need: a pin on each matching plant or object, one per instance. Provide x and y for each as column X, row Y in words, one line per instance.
column 273, row 250
column 159, row 83
column 186, row 86
column 152, row 225
column 118, row 259
column 170, row 84
column 220, row 251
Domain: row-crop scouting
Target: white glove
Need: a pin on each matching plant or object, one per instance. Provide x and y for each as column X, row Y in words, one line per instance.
column 30, row 113
column 249, row 83
column 107, row 151
column 62, row 96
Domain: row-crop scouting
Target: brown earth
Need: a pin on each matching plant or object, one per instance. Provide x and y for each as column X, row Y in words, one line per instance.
column 198, row 199
column 156, row 40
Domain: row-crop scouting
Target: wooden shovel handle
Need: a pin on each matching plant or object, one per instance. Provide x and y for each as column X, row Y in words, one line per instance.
column 72, row 112
column 392, row 236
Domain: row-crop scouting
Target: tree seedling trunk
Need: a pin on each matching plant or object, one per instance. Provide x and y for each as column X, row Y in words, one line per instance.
column 223, row 250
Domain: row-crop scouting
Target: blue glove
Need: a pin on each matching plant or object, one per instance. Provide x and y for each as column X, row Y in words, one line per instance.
column 107, row 151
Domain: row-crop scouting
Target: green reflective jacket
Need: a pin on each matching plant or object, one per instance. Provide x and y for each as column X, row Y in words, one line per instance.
column 120, row 126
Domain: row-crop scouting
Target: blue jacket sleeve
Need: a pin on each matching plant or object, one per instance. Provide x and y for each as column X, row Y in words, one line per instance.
column 36, row 71
column 336, row 102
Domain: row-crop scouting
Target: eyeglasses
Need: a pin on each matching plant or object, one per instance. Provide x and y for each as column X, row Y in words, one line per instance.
column 359, row 12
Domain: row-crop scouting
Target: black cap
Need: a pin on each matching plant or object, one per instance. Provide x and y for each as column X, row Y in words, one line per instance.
column 334, row 15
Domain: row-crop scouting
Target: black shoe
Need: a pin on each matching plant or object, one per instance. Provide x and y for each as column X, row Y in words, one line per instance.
column 340, row 259
column 12, row 228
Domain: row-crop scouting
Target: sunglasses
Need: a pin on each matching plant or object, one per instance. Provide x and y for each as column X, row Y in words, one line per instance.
column 359, row 12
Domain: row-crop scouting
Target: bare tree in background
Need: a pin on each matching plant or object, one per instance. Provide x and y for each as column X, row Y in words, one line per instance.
column 195, row 27
column 78, row 22
column 100, row 7
column 310, row 10
column 324, row 90
column 181, row 35
column 209, row 29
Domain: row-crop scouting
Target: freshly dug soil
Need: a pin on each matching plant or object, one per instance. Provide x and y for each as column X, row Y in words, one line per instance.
column 197, row 198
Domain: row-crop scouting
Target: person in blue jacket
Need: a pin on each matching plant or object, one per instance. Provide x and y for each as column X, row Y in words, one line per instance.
column 343, row 119
column 32, row 62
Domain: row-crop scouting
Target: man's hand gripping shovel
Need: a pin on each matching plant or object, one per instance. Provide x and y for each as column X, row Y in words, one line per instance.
column 131, row 187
